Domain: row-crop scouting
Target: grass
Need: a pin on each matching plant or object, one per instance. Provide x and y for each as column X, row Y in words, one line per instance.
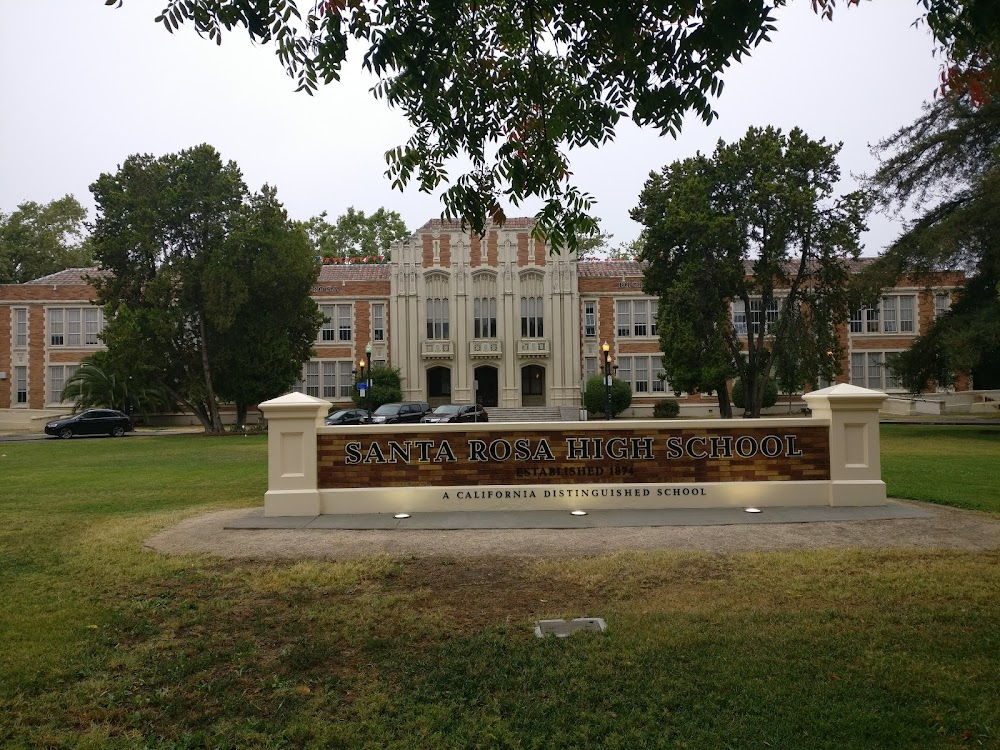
column 106, row 644
column 950, row 465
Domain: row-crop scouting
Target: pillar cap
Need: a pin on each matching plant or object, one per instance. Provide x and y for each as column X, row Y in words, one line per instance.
column 846, row 394
column 293, row 403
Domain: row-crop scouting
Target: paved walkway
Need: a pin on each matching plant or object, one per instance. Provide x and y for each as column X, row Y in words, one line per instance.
column 554, row 519
column 238, row 534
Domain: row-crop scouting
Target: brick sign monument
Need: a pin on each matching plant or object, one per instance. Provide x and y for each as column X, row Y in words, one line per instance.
column 831, row 458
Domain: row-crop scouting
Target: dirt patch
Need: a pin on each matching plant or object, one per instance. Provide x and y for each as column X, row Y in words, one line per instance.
column 946, row 528
column 470, row 592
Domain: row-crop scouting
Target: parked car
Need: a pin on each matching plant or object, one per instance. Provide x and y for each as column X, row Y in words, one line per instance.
column 458, row 413
column 348, row 416
column 90, row 422
column 399, row 412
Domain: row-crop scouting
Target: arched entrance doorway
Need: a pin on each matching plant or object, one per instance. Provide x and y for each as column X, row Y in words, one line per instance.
column 487, row 387
column 532, row 385
column 439, row 386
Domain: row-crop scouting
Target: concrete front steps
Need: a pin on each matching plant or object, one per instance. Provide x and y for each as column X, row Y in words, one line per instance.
column 534, row 414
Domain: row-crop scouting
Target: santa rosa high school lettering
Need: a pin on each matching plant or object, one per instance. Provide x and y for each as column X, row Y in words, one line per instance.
column 828, row 459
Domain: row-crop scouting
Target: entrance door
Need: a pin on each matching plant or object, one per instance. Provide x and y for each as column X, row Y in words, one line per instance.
column 532, row 385
column 439, row 386
column 488, row 391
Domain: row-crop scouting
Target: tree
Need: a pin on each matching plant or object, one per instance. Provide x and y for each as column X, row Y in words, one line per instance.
column 946, row 165
column 354, row 237
column 185, row 243
column 757, row 223
column 505, row 88
column 98, row 383
column 387, row 387
column 770, row 394
column 261, row 356
column 510, row 88
column 36, row 240
column 595, row 396
column 692, row 323
column 797, row 362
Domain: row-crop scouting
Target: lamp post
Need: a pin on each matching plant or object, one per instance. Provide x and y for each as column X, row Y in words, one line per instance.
column 368, row 388
column 607, row 379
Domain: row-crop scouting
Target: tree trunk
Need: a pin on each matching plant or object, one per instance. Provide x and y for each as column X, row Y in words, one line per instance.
column 725, row 407
column 241, row 414
column 213, row 403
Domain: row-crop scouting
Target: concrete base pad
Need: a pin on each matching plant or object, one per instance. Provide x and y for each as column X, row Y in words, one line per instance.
column 552, row 519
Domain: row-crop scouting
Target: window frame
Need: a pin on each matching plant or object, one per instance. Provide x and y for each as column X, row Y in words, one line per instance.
column 867, row 365
column 19, row 316
column 590, row 318
column 438, row 328
column 19, row 384
column 894, row 315
column 74, row 327
column 532, row 317
column 635, row 318
column 333, row 330
column 378, row 321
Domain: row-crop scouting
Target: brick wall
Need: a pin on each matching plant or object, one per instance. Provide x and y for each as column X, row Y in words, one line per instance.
column 36, row 357
column 334, row 471
column 522, row 249
column 6, row 341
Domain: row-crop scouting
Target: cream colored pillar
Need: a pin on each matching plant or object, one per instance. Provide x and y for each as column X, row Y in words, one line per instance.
column 292, row 420
column 855, row 465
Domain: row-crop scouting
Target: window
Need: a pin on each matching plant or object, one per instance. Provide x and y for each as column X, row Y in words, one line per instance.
column 757, row 312
column 623, row 318
column 56, row 332
column 58, row 375
column 870, row 370
column 642, row 373
column 75, row 326
column 378, row 322
column 636, row 317
column 333, row 379
column 338, row 325
column 641, row 382
column 93, row 324
column 531, row 317
column 20, row 385
column 484, row 313
column 437, row 318
column 20, row 326
column 942, row 303
column 484, row 305
column 589, row 368
column 893, row 314
column 590, row 318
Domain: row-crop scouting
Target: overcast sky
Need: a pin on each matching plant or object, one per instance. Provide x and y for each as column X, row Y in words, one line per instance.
column 83, row 86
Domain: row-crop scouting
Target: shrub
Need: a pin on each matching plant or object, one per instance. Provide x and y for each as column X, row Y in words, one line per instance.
column 666, row 409
column 593, row 396
column 387, row 388
column 770, row 394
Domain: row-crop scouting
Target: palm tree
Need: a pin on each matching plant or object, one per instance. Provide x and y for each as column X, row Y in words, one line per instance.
column 95, row 384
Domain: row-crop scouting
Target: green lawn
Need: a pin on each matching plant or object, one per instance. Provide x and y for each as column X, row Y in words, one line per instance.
column 106, row 644
column 955, row 466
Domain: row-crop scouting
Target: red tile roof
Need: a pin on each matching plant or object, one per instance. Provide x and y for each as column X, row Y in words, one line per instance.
column 69, row 277
column 609, row 268
column 440, row 225
column 354, row 272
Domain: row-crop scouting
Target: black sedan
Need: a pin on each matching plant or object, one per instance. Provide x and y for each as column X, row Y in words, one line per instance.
column 458, row 413
column 90, row 422
column 347, row 416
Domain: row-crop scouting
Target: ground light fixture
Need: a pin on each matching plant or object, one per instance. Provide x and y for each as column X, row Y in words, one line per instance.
column 578, row 512
column 751, row 510
column 402, row 515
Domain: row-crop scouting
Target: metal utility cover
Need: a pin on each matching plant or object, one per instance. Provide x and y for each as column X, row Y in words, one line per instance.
column 562, row 628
